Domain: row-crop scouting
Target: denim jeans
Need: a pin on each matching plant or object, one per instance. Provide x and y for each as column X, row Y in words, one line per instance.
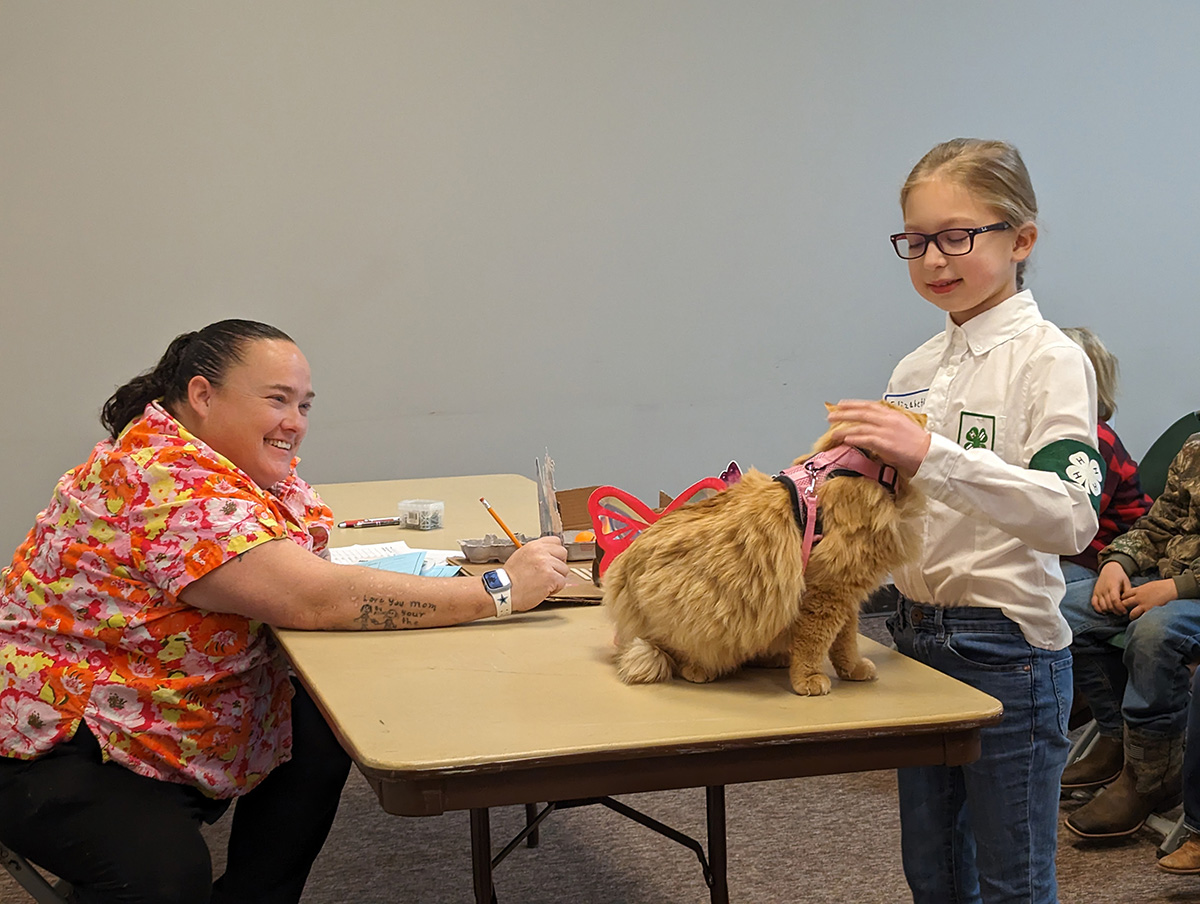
column 987, row 831
column 1191, row 761
column 1099, row 673
column 1146, row 684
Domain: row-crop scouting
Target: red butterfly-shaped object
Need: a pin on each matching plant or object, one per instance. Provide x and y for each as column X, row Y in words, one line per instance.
column 618, row 517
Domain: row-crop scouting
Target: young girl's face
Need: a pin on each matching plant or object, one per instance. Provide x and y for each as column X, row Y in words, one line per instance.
column 965, row 285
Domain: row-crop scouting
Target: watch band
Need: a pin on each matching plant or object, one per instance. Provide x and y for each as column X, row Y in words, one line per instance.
column 501, row 595
column 503, row 601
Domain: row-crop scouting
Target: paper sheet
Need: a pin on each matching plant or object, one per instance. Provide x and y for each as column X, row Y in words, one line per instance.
column 397, row 556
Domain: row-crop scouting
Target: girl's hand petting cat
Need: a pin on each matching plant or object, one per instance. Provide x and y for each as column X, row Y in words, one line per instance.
column 889, row 433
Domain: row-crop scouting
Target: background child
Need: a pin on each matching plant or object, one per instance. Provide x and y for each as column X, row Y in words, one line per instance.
column 1013, row 478
column 1148, row 583
column 1122, row 502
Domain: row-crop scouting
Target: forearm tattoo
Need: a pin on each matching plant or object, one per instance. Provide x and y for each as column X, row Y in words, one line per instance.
column 387, row 613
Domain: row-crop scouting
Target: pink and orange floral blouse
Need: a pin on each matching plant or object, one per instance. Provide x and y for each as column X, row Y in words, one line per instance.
column 91, row 626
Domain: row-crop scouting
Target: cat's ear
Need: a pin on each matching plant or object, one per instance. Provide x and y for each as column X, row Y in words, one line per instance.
column 921, row 419
column 829, row 406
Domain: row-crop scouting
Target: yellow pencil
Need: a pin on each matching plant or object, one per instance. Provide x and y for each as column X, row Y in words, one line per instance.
column 503, row 526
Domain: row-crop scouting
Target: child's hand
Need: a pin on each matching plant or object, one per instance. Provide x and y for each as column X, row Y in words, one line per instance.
column 889, row 433
column 1111, row 585
column 1139, row 600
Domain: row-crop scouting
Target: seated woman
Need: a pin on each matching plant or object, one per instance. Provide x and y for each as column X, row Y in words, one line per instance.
column 1122, row 502
column 140, row 689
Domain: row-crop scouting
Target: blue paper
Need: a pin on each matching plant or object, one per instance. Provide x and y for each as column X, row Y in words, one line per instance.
column 411, row 563
column 405, row 563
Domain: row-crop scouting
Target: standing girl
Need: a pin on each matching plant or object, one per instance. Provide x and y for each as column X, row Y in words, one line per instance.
column 1013, row 478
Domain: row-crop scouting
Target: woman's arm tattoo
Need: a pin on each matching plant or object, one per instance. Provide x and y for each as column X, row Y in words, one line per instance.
column 389, row 613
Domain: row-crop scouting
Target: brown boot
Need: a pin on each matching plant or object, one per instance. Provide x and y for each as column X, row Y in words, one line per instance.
column 1184, row 859
column 1101, row 765
column 1151, row 780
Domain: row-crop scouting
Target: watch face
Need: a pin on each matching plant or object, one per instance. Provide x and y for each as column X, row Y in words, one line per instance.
column 496, row 580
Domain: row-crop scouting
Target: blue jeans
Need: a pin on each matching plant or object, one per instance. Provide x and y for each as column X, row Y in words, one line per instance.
column 1099, row 673
column 987, row 831
column 1146, row 684
column 1191, row 761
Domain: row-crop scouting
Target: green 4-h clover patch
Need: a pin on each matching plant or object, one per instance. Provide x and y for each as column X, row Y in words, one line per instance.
column 1074, row 462
column 976, row 431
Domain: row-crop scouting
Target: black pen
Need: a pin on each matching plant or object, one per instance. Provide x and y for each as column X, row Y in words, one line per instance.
column 372, row 522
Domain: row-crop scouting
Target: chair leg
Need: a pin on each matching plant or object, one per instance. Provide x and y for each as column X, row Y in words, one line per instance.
column 31, row 880
column 1084, row 742
column 1173, row 837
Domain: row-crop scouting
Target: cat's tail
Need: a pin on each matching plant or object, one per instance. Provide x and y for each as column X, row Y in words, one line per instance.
column 641, row 662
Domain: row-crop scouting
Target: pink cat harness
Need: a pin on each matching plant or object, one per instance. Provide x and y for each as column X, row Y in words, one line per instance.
column 803, row 479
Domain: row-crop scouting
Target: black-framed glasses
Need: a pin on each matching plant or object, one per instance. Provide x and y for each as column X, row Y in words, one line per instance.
column 951, row 242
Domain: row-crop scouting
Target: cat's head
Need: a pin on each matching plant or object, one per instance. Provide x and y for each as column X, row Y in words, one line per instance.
column 856, row 503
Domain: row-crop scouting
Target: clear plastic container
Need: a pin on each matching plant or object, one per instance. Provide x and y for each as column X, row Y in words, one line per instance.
column 422, row 514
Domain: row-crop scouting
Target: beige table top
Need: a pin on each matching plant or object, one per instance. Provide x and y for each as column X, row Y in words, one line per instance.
column 530, row 708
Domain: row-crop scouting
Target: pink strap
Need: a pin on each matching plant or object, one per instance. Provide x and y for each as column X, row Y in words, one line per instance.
column 804, row 478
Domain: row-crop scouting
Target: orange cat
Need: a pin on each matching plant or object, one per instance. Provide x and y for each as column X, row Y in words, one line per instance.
column 722, row 583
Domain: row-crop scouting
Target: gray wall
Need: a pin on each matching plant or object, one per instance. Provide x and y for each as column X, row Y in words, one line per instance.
column 647, row 235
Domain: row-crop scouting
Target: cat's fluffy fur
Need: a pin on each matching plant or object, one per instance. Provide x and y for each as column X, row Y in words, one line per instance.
column 719, row 584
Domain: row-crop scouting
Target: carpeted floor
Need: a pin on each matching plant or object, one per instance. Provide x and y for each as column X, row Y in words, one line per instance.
column 827, row 840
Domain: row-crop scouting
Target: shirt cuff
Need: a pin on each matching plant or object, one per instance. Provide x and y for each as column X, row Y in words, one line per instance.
column 1186, row 587
column 1127, row 563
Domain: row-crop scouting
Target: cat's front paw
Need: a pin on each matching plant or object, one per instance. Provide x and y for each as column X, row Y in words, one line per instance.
column 863, row 670
column 813, row 684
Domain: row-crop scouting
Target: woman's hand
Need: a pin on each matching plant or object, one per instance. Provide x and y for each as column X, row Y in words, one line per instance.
column 537, row 569
column 888, row 432
column 1111, row 585
column 1140, row 600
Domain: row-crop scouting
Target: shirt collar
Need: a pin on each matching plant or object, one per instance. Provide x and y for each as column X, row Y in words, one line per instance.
column 994, row 327
column 162, row 422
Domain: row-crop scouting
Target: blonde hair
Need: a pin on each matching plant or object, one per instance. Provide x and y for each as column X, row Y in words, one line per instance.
column 993, row 171
column 1104, row 363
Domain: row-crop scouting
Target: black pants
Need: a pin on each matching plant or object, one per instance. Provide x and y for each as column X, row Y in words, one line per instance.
column 122, row 838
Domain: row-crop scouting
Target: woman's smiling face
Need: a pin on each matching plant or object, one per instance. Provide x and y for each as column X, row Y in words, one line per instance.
column 258, row 415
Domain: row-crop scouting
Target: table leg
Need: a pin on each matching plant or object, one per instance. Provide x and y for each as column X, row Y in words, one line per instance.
column 481, row 855
column 715, row 796
column 531, row 812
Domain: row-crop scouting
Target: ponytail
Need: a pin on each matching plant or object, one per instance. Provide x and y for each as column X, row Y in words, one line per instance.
column 209, row 353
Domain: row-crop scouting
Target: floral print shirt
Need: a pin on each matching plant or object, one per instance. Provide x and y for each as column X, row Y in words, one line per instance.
column 92, row 628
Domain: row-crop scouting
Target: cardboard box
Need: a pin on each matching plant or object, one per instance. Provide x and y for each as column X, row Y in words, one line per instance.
column 573, row 507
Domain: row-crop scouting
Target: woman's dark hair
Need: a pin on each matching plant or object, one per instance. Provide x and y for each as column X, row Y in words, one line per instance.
column 208, row 353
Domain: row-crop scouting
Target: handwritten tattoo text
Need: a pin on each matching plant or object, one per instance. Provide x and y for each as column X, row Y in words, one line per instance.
column 388, row 613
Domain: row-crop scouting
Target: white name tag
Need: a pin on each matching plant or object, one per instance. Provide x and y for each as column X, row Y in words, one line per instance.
column 911, row 401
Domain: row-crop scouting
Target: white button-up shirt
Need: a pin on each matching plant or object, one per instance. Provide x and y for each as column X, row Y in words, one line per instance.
column 1012, row 474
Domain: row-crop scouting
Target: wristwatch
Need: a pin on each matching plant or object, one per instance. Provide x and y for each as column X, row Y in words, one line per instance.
column 500, row 587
